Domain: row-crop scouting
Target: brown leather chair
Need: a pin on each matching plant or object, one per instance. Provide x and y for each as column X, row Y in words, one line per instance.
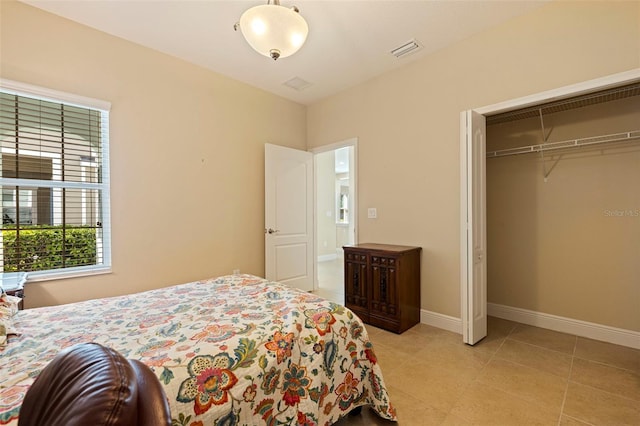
column 91, row 385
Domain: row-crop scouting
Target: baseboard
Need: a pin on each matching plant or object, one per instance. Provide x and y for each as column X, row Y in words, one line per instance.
column 586, row 329
column 327, row 257
column 445, row 322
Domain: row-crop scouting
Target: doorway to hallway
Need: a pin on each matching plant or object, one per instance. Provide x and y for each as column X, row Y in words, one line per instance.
column 335, row 205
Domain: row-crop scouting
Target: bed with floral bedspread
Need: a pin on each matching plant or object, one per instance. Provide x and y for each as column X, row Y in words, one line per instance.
column 231, row 350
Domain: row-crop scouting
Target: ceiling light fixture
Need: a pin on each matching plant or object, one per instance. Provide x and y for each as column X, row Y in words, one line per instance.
column 273, row 30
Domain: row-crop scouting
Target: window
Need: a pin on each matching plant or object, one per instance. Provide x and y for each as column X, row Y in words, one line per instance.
column 54, row 179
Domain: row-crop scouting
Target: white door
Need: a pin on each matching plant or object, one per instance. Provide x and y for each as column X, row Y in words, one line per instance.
column 288, row 236
column 474, row 240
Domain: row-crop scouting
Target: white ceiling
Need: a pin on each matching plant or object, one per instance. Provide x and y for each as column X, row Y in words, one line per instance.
column 349, row 40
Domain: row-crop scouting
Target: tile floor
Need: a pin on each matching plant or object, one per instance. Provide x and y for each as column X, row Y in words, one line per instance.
column 517, row 375
column 331, row 280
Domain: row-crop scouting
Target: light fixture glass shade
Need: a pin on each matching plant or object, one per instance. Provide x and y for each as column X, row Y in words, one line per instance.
column 273, row 30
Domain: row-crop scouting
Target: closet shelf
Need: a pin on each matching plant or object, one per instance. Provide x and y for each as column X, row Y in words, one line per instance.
column 595, row 140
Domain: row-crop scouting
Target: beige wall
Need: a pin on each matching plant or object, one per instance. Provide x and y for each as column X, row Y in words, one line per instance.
column 569, row 246
column 187, row 155
column 408, row 121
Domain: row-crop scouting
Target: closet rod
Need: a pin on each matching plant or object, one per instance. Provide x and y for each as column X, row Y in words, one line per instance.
column 594, row 140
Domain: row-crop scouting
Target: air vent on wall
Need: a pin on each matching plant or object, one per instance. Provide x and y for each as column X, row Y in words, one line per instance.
column 406, row 49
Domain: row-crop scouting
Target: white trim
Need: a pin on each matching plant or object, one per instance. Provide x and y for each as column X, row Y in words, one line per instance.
column 333, row 146
column 52, row 183
column 442, row 321
column 591, row 330
column 464, row 228
column 30, row 90
column 106, row 191
column 327, row 257
column 58, row 274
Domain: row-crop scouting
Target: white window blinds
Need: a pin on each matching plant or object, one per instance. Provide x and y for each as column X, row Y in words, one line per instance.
column 54, row 178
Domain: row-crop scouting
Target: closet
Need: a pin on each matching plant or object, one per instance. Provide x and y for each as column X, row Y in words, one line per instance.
column 563, row 208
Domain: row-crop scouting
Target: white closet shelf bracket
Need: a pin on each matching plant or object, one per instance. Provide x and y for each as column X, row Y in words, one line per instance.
column 573, row 143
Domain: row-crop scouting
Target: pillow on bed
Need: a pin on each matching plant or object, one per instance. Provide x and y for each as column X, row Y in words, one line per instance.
column 10, row 303
column 8, row 308
column 6, row 327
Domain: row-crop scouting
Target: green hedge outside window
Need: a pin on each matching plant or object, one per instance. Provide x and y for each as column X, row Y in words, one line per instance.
column 48, row 248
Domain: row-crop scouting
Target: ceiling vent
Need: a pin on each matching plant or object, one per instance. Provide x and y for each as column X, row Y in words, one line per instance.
column 406, row 49
column 297, row 83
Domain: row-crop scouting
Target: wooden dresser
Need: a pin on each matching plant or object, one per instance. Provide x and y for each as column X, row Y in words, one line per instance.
column 382, row 284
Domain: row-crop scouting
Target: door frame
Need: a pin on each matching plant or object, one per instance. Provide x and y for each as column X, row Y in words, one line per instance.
column 473, row 236
column 602, row 83
column 352, row 203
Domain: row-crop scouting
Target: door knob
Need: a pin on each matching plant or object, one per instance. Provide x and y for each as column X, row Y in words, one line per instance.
column 271, row 230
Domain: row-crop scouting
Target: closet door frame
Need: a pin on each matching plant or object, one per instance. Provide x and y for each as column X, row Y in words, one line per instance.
column 473, row 235
column 469, row 295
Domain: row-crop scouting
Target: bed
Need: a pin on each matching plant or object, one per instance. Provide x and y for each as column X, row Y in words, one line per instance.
column 230, row 350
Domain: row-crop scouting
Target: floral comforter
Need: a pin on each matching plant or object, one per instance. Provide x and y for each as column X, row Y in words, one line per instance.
column 230, row 350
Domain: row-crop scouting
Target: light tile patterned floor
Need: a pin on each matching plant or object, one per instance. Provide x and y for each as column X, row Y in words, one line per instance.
column 518, row 375
column 331, row 280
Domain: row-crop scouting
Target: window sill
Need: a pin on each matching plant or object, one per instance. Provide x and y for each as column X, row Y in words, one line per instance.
column 67, row 273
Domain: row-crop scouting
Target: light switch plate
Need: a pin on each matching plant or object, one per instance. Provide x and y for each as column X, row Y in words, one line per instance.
column 372, row 213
